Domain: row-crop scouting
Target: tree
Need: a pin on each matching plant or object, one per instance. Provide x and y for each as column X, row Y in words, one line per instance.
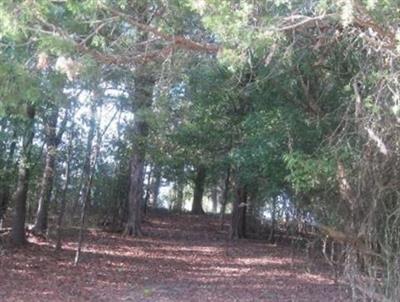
column 87, row 173
column 199, row 182
column 53, row 139
column 21, row 103
column 20, row 194
column 64, row 191
column 143, row 94
column 6, row 176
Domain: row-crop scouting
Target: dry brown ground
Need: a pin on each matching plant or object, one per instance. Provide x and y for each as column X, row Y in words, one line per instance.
column 182, row 258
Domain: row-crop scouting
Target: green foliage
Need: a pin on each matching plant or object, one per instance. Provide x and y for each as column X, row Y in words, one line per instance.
column 13, row 77
column 307, row 173
column 55, row 45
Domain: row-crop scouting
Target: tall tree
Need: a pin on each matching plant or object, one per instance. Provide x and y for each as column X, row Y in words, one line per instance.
column 143, row 94
column 88, row 172
column 53, row 139
column 20, row 194
column 142, row 97
column 64, row 191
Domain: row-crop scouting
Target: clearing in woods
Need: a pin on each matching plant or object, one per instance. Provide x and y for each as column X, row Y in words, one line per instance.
column 182, row 258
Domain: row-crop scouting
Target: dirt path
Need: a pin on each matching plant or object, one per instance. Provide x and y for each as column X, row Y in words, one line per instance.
column 181, row 259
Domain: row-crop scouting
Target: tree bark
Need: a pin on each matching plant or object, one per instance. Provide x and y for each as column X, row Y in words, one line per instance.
column 46, row 187
column 271, row 237
column 155, row 187
column 20, row 194
column 148, row 190
column 88, row 172
column 85, row 202
column 225, row 196
column 243, row 215
column 178, row 187
column 214, row 198
column 144, row 82
column 199, row 182
column 143, row 94
column 120, row 213
column 238, row 224
column 133, row 227
column 64, row 196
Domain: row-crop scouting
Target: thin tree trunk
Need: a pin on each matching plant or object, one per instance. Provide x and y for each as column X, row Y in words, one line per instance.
column 214, row 199
column 46, row 187
column 5, row 186
column 243, row 215
column 87, row 179
column 64, row 196
column 75, row 204
column 238, row 213
column 178, row 195
column 85, row 202
column 20, row 195
column 148, row 191
column 234, row 231
column 121, row 210
column 199, row 182
column 271, row 237
column 225, row 196
column 155, row 187
column 179, row 186
column 89, row 170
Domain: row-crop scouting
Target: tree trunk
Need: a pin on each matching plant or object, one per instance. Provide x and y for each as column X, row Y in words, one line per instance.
column 88, row 173
column 243, row 215
column 46, row 187
column 225, row 195
column 85, row 202
column 143, row 95
column 87, row 176
column 178, row 187
column 155, row 187
column 64, row 196
column 214, row 199
column 148, row 191
column 20, row 194
column 238, row 224
column 199, row 182
column 271, row 237
column 5, row 185
column 120, row 213
column 133, row 227
column 144, row 82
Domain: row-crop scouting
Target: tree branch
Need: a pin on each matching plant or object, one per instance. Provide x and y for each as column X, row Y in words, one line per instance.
column 178, row 41
column 304, row 22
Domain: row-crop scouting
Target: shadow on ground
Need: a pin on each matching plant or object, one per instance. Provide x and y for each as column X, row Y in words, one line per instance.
column 182, row 258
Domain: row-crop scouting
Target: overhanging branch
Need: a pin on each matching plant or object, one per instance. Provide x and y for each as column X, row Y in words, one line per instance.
column 176, row 40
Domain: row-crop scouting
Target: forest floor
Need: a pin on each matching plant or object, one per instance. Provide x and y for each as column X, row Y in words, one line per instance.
column 182, row 258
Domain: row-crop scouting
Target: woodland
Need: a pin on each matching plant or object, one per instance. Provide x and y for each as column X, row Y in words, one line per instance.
column 199, row 150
